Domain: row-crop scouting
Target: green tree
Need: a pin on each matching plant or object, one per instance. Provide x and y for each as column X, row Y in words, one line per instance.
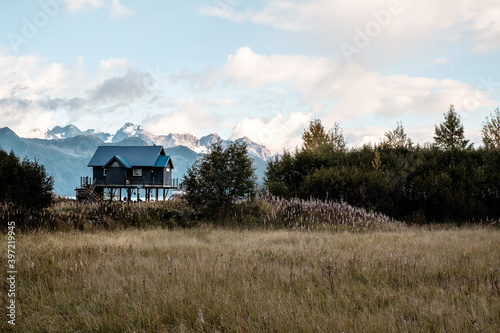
column 315, row 136
column 397, row 138
column 337, row 138
column 24, row 183
column 450, row 133
column 491, row 131
column 281, row 174
column 220, row 177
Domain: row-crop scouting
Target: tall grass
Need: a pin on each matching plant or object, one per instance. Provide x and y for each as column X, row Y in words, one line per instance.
column 272, row 213
column 219, row 280
column 309, row 215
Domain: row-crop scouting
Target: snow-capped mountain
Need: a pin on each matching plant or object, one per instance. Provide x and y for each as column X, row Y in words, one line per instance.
column 256, row 149
column 70, row 131
column 190, row 141
column 130, row 130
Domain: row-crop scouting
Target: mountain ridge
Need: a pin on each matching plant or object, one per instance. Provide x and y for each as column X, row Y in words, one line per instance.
column 129, row 130
column 66, row 151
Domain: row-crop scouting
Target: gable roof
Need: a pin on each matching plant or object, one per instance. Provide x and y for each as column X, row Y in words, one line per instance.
column 164, row 161
column 129, row 156
column 122, row 160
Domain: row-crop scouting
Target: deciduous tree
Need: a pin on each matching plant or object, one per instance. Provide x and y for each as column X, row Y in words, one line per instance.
column 24, row 183
column 491, row 131
column 220, row 177
column 337, row 138
column 397, row 138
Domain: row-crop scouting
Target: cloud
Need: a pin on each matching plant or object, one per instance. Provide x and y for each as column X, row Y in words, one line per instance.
column 190, row 116
column 25, row 118
column 440, row 61
column 353, row 90
column 275, row 132
column 398, row 21
column 357, row 137
column 133, row 85
column 34, row 88
column 116, row 9
column 71, row 104
column 115, row 63
column 76, row 5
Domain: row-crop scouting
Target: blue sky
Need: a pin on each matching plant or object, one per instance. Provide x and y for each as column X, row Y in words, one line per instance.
column 262, row 69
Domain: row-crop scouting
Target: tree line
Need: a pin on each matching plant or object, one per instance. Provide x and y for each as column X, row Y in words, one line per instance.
column 448, row 180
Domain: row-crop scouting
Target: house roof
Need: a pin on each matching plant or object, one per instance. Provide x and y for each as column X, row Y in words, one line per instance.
column 131, row 156
column 123, row 161
column 163, row 161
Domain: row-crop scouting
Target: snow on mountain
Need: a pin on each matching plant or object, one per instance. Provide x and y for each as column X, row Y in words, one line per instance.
column 256, row 149
column 210, row 139
column 173, row 140
column 130, row 130
column 71, row 131
column 59, row 132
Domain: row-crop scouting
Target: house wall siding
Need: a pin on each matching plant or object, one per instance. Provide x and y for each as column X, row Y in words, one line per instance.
column 116, row 175
column 99, row 175
column 167, row 177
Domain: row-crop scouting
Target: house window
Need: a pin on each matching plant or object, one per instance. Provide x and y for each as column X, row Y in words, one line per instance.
column 104, row 172
column 137, row 173
column 168, row 169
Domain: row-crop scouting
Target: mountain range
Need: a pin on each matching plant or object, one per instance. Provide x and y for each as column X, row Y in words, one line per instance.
column 66, row 151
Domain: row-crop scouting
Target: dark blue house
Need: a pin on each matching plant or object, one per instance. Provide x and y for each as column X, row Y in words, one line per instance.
column 130, row 168
column 132, row 165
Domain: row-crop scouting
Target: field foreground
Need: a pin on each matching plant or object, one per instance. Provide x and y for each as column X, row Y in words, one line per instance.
column 413, row 280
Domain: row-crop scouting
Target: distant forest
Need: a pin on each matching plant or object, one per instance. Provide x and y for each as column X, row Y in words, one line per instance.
column 445, row 181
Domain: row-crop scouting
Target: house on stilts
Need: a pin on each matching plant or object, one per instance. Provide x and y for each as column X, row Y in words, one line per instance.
column 128, row 170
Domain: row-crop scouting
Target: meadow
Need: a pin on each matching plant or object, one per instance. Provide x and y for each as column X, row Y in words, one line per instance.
column 221, row 279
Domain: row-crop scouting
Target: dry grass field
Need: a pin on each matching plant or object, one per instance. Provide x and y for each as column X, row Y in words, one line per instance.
column 221, row 280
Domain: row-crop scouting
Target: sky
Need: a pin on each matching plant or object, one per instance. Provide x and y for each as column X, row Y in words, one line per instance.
column 262, row 68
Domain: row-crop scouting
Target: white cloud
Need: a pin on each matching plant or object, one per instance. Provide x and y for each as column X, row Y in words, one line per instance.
column 355, row 91
column 398, row 21
column 191, row 116
column 440, row 61
column 36, row 94
column 276, row 132
column 115, row 7
column 221, row 102
column 75, row 5
column 115, row 63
